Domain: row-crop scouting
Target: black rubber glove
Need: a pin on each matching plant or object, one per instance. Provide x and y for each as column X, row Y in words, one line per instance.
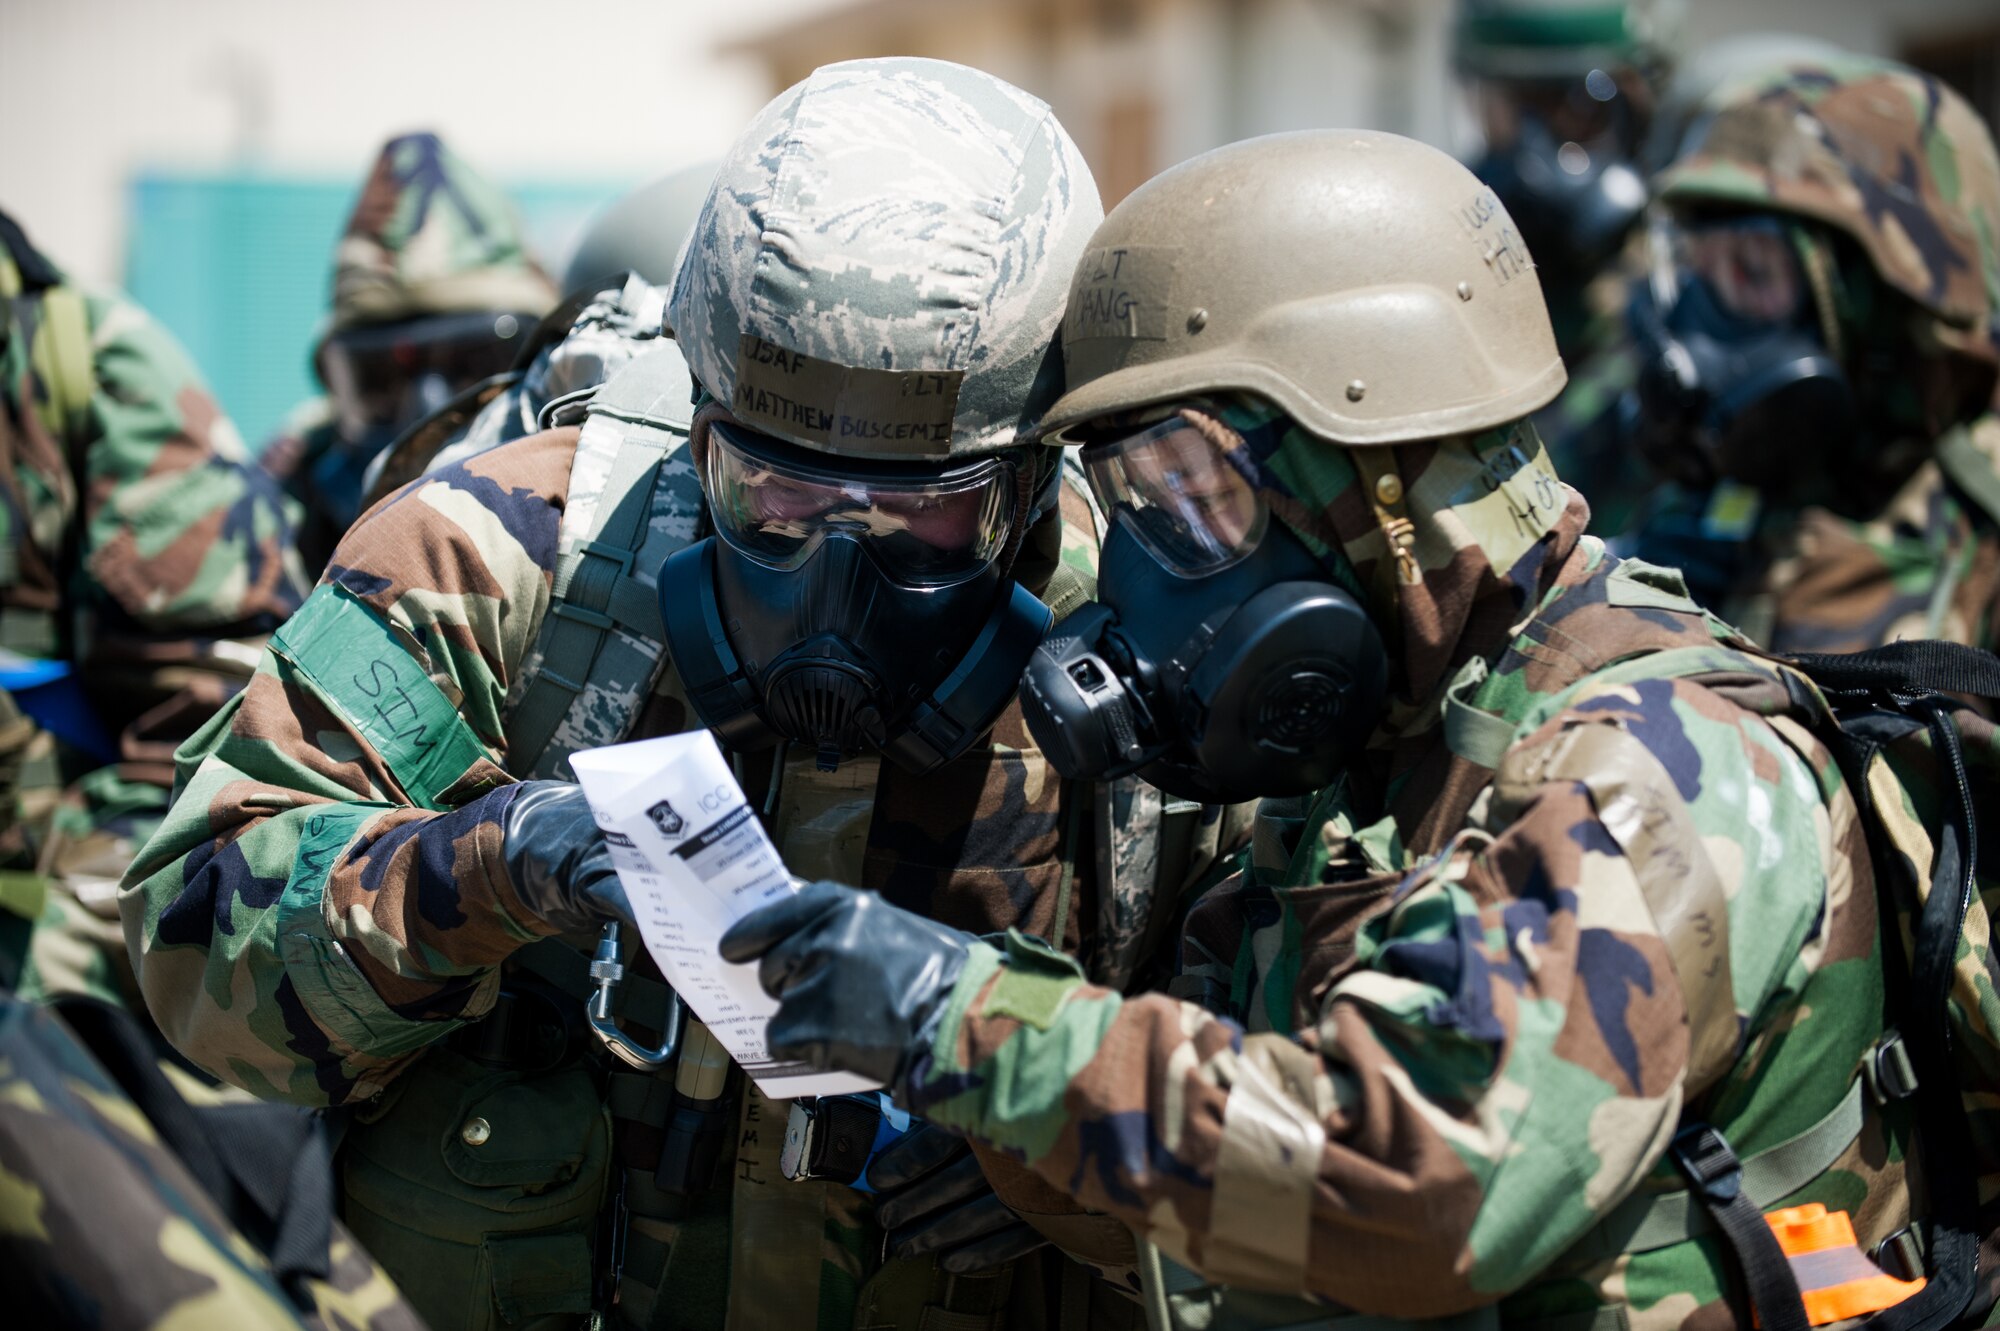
column 932, row 1197
column 557, row 859
column 860, row 984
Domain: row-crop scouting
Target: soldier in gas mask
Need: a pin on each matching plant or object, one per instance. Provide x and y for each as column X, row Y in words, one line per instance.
column 1564, row 885
column 433, row 291
column 1819, row 359
column 612, row 310
column 1565, row 94
column 830, row 543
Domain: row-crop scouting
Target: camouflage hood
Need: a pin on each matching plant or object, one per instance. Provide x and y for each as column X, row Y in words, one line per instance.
column 429, row 235
column 1883, row 154
column 1449, row 542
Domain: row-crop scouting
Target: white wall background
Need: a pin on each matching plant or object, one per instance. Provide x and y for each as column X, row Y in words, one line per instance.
column 599, row 89
column 91, row 90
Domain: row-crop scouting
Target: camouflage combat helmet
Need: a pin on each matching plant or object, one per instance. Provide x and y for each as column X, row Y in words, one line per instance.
column 1719, row 65
column 429, row 235
column 880, row 266
column 1550, row 39
column 1885, row 155
column 1418, row 314
column 641, row 232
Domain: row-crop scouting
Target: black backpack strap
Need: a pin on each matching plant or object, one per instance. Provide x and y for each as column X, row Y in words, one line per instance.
column 1711, row 1166
column 1906, row 669
column 1942, row 1129
column 1882, row 695
column 265, row 1165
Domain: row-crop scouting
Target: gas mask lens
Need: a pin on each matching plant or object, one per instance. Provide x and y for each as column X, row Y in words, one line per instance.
column 1180, row 496
column 924, row 529
column 1736, row 380
column 385, row 377
column 1749, row 266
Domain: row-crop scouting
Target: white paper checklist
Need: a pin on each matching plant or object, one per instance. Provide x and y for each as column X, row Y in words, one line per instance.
column 694, row 860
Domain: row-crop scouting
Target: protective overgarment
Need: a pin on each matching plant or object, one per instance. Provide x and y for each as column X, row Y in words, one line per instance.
column 511, row 595
column 1828, row 281
column 1591, row 890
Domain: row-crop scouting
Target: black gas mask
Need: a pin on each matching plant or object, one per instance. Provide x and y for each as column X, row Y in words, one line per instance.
column 846, row 605
column 1560, row 157
column 1736, row 381
column 1220, row 663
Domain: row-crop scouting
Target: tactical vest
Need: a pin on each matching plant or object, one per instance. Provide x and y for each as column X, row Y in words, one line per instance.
column 598, row 673
column 1817, row 1163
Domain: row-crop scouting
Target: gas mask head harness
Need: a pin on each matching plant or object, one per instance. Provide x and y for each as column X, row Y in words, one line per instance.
column 847, row 604
column 1741, row 375
column 1220, row 662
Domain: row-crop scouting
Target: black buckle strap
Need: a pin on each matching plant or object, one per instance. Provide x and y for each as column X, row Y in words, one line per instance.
column 1710, row 1163
column 1889, row 1070
column 1901, row 1254
column 1716, row 1173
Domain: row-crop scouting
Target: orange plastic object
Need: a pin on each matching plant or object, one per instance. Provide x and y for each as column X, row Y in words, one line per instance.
column 1836, row 1279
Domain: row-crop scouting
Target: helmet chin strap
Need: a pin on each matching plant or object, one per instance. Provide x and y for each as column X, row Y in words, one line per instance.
column 1382, row 486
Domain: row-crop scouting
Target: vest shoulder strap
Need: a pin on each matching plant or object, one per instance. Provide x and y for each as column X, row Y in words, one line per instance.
column 633, row 501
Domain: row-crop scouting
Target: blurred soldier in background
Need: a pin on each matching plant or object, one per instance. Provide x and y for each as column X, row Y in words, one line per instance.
column 1565, row 93
column 1570, row 899
column 1591, row 429
column 855, row 477
column 145, row 558
column 1819, row 342
column 433, row 292
column 142, row 557
column 613, row 307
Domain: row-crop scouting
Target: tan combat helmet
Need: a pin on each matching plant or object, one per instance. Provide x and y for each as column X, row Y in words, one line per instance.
column 1367, row 284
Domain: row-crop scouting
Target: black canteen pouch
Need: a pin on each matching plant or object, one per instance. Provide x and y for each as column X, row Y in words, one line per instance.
column 478, row 1185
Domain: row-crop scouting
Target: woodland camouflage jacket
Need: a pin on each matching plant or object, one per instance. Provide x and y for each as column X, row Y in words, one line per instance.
column 1448, row 1019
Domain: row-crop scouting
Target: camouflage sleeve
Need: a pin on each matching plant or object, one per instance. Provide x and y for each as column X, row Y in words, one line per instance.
column 185, row 533
column 102, row 1225
column 326, row 896
column 1503, row 1061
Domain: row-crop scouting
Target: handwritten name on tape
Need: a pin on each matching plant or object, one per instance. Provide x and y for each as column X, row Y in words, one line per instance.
column 841, row 408
column 1125, row 293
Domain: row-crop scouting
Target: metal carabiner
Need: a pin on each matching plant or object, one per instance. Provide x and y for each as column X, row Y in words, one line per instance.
column 607, row 968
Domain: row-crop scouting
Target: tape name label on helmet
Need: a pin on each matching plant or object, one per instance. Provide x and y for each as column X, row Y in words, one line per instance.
column 841, row 408
column 1123, row 292
column 1499, row 244
column 1516, row 489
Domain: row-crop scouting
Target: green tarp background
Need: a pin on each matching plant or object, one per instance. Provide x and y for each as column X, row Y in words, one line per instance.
column 239, row 265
